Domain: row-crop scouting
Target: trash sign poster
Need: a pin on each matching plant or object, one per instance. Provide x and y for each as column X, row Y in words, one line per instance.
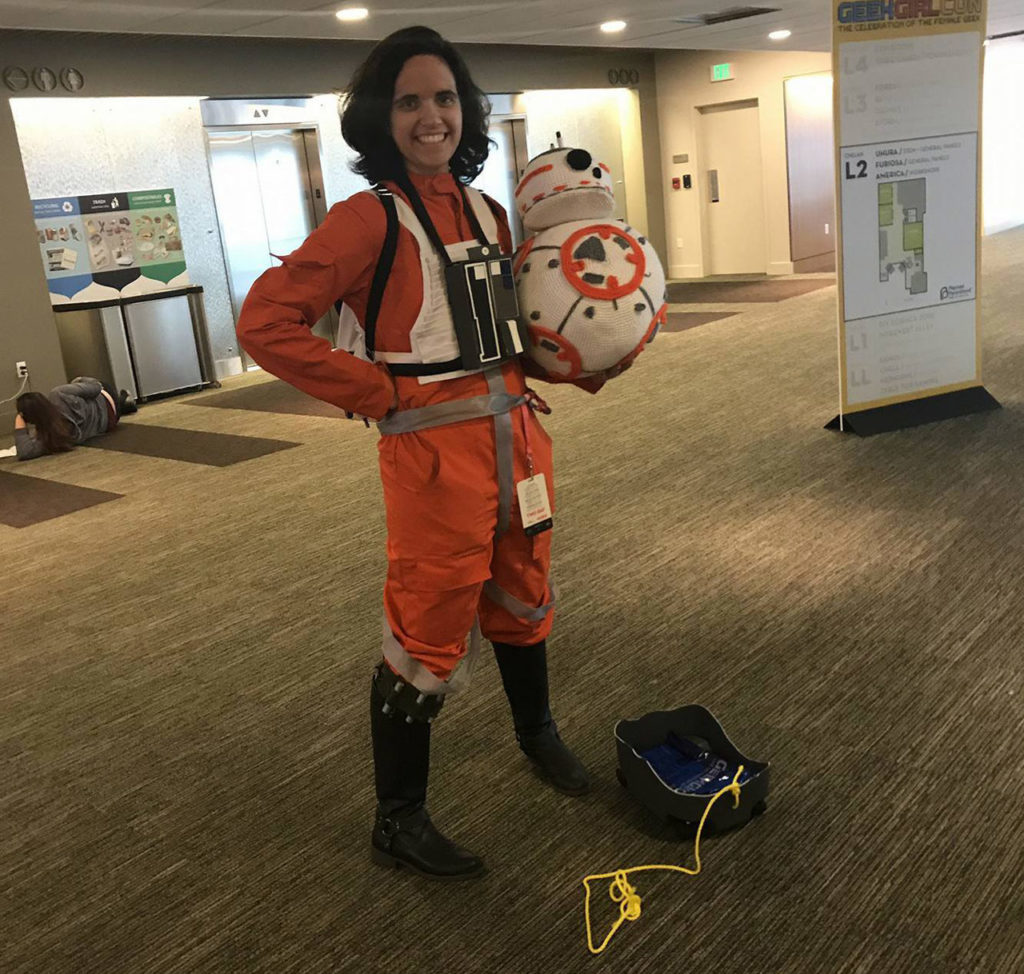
column 110, row 245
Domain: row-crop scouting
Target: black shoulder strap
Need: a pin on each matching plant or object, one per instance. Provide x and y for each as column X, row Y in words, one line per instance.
column 382, row 272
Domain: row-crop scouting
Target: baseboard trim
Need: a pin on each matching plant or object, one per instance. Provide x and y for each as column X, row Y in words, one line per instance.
column 677, row 271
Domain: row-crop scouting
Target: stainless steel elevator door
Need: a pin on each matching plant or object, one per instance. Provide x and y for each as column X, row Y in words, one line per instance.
column 263, row 185
column 504, row 166
column 285, row 189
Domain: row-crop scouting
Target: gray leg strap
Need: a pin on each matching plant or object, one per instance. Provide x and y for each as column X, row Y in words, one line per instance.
column 503, row 441
column 403, row 699
column 511, row 604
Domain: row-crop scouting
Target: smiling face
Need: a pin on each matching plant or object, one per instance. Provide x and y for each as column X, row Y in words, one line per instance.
column 426, row 116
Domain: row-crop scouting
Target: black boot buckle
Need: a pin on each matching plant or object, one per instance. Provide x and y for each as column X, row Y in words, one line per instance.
column 404, row 698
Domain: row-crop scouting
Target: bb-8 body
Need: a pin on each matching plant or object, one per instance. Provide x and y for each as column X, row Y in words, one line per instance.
column 591, row 290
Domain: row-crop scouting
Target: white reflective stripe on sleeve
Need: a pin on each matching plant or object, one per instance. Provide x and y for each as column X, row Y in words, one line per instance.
column 410, row 670
column 511, row 604
column 414, row 672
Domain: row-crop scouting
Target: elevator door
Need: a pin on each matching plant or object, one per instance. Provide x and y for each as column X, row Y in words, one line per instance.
column 503, row 167
column 267, row 187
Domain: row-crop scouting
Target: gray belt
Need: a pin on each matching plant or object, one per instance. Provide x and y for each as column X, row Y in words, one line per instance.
column 498, row 403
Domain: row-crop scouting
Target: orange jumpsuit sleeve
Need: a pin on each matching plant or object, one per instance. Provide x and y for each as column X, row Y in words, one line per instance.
column 274, row 326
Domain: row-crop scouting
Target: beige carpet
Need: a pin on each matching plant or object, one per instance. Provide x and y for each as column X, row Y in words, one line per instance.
column 184, row 766
column 767, row 290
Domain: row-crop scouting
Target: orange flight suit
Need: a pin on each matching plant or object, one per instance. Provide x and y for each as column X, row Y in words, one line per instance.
column 440, row 484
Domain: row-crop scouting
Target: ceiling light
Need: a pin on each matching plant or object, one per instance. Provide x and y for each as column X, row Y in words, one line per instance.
column 613, row 26
column 779, row 35
column 352, row 13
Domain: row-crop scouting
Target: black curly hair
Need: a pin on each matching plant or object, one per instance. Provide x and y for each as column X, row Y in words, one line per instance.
column 365, row 118
column 51, row 426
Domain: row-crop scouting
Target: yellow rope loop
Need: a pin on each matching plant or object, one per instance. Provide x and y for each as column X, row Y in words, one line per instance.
column 626, row 896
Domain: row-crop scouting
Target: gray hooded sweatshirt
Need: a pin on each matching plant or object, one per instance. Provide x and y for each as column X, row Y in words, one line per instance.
column 83, row 407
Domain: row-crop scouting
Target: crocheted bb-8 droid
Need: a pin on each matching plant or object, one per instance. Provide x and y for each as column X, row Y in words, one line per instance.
column 591, row 290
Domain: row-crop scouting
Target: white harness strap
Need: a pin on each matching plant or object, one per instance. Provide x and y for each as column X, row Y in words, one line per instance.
column 432, row 336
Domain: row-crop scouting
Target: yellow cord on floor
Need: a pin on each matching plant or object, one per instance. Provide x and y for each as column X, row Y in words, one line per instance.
column 626, row 896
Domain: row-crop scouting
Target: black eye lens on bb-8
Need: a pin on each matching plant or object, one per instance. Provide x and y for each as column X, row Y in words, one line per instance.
column 579, row 159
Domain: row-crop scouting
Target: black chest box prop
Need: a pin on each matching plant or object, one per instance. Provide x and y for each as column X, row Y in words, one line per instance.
column 482, row 297
column 675, row 761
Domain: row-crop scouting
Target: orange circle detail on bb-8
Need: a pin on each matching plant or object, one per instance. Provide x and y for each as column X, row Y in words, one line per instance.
column 591, row 295
column 576, row 258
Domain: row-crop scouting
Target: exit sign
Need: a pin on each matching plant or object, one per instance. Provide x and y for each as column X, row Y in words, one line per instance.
column 722, row 72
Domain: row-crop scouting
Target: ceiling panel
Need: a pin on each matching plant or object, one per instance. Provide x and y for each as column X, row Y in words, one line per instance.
column 226, row 16
column 652, row 23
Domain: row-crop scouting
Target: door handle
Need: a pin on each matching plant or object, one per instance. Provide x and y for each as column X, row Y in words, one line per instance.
column 713, row 184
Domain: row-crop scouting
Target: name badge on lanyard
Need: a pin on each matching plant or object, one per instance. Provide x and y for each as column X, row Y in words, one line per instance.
column 481, row 293
column 534, row 505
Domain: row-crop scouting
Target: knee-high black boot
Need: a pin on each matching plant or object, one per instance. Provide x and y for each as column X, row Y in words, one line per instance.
column 524, row 674
column 403, row 835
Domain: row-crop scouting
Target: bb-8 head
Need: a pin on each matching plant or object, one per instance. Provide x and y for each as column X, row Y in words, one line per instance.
column 562, row 185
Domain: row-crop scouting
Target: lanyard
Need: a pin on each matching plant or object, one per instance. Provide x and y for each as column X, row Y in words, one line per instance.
column 428, row 225
column 526, row 436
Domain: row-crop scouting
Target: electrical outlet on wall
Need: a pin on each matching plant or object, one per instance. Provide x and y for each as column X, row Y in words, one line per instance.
column 22, row 369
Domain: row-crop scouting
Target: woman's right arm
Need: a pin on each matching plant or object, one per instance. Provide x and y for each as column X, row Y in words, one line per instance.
column 26, row 445
column 274, row 326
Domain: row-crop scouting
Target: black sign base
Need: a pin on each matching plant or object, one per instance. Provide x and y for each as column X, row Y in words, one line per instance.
column 931, row 409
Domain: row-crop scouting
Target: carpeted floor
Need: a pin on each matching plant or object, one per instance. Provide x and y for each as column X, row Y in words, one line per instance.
column 188, row 446
column 682, row 320
column 272, row 397
column 185, row 780
column 26, row 500
column 743, row 292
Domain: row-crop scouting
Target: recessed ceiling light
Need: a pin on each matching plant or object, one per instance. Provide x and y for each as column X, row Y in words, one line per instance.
column 352, row 13
column 613, row 26
column 779, row 35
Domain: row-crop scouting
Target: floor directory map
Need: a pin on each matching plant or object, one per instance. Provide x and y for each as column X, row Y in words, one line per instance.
column 907, row 103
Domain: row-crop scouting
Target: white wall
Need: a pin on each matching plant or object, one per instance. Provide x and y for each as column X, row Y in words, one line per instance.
column 684, row 82
column 1003, row 136
column 589, row 119
column 77, row 146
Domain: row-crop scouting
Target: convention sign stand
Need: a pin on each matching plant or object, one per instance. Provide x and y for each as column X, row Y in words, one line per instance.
column 907, row 105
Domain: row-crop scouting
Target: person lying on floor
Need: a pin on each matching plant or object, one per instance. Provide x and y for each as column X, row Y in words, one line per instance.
column 69, row 415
